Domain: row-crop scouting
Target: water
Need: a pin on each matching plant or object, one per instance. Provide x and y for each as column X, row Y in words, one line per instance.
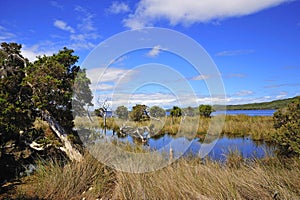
column 245, row 112
column 220, row 146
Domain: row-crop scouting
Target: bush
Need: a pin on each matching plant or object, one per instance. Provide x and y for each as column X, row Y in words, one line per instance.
column 176, row 111
column 287, row 125
column 205, row 110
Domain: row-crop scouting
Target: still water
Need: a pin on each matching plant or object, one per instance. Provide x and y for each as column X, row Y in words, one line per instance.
column 217, row 149
column 245, row 112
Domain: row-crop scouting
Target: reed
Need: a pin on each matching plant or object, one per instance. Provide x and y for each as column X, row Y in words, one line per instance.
column 257, row 127
column 187, row 178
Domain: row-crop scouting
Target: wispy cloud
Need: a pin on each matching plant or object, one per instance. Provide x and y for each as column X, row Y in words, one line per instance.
column 5, row 34
column 118, row 7
column 63, row 26
column 281, row 95
column 56, row 4
column 154, row 52
column 235, row 76
column 86, row 19
column 105, row 79
column 283, row 85
column 148, row 12
column 244, row 93
column 235, row 52
column 86, row 32
column 200, row 77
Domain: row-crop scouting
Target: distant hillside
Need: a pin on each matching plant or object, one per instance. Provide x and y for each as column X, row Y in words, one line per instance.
column 273, row 105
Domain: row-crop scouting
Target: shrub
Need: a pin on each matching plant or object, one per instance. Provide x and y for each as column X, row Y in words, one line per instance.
column 287, row 124
column 205, row 110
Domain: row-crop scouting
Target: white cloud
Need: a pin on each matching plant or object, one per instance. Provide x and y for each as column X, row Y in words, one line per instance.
column 118, row 7
column 244, row 93
column 154, row 51
column 86, row 32
column 86, row 17
column 63, row 26
column 5, row 34
column 235, row 52
column 38, row 50
column 106, row 79
column 200, row 77
column 56, row 5
column 281, row 95
column 236, row 75
column 192, row 11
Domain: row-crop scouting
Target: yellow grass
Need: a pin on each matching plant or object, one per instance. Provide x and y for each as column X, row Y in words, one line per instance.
column 187, row 178
column 258, row 127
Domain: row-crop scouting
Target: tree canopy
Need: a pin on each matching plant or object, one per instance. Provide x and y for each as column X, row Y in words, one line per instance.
column 122, row 112
column 139, row 113
column 156, row 111
column 205, row 110
column 29, row 90
column 176, row 111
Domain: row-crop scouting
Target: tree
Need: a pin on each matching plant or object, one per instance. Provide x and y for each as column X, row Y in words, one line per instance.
column 156, row 111
column 139, row 113
column 189, row 111
column 176, row 111
column 82, row 94
column 16, row 110
column 287, row 125
column 102, row 111
column 205, row 110
column 17, row 113
column 44, row 89
column 122, row 112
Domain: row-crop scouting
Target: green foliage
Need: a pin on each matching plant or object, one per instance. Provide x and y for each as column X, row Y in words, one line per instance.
column 139, row 113
column 56, row 81
column 16, row 110
column 122, row 112
column 287, row 124
column 27, row 90
column 176, row 111
column 156, row 111
column 82, row 95
column 205, row 110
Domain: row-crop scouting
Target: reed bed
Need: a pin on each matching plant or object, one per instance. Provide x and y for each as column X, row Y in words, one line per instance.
column 187, row 178
column 257, row 127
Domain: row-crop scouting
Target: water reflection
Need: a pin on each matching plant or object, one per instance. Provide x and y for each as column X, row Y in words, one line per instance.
column 182, row 146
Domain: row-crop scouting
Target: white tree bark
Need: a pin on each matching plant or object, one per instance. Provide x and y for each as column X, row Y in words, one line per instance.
column 71, row 152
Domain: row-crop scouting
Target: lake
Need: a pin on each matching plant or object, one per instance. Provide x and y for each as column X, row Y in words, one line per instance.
column 245, row 112
column 216, row 150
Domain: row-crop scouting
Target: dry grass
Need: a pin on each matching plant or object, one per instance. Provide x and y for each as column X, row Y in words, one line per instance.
column 54, row 180
column 191, row 179
column 187, row 178
column 258, row 127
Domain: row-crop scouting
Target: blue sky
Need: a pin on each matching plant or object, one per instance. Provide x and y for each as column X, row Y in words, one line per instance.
column 254, row 44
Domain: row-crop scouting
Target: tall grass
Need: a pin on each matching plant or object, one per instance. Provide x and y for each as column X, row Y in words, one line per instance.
column 191, row 179
column 74, row 180
column 187, row 178
column 257, row 127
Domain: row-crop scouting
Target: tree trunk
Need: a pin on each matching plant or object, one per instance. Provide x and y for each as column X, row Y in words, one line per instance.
column 71, row 152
